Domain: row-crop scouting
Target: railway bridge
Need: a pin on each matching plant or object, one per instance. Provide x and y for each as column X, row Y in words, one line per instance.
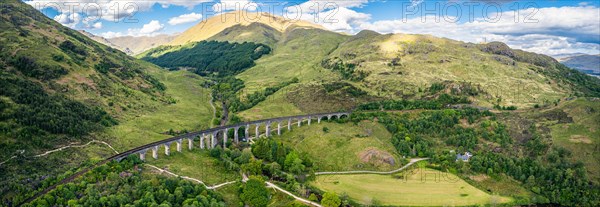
column 210, row 138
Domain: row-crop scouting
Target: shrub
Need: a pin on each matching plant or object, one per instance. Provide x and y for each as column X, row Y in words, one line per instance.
column 69, row 46
column 330, row 199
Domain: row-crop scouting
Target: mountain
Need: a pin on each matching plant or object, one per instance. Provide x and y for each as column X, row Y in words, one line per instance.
column 589, row 64
column 138, row 45
column 566, row 55
column 132, row 45
column 387, row 66
column 59, row 87
column 106, row 42
column 217, row 24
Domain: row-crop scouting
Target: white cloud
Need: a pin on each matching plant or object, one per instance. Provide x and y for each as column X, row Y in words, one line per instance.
column 185, row 18
column 111, row 34
column 334, row 15
column 69, row 20
column 342, row 20
column 97, row 25
column 153, row 28
column 110, row 10
column 548, row 32
column 316, row 6
column 232, row 5
column 584, row 3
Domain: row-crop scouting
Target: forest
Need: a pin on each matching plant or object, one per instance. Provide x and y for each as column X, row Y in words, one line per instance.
column 270, row 160
column 212, row 57
column 441, row 134
column 33, row 116
column 442, row 101
column 126, row 183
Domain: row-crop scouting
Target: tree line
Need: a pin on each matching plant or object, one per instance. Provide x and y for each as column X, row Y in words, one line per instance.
column 547, row 171
column 213, row 57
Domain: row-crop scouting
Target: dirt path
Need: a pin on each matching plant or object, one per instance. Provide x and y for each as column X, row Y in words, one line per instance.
column 75, row 146
column 271, row 185
column 412, row 161
column 64, row 148
column 190, row 178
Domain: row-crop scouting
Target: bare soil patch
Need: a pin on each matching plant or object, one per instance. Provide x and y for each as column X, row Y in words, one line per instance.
column 376, row 156
column 479, row 178
column 580, row 139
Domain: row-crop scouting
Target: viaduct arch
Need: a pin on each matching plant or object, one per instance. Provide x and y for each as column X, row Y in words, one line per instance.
column 209, row 138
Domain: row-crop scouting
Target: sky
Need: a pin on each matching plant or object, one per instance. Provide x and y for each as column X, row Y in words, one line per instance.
column 549, row 27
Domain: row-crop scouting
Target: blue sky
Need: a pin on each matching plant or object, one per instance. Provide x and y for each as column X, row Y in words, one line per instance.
column 549, row 27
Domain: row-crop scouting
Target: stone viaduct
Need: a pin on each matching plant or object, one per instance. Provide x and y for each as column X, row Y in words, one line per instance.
column 210, row 138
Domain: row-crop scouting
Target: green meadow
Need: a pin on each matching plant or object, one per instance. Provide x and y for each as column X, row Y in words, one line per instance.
column 424, row 187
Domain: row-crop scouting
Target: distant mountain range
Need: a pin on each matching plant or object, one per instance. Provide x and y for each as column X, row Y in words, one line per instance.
column 383, row 65
column 589, row 64
column 130, row 44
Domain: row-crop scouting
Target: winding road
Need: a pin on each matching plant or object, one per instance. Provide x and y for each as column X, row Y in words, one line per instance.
column 412, row 161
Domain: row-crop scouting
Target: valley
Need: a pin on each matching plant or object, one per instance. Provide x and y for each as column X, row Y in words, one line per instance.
column 249, row 113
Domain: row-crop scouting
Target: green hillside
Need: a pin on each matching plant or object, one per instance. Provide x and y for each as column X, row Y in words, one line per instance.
column 62, row 89
column 68, row 102
column 402, row 66
column 255, row 32
column 59, row 85
column 345, row 147
column 373, row 66
column 571, row 125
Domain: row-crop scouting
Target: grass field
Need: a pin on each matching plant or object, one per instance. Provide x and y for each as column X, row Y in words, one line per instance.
column 582, row 137
column 275, row 105
column 191, row 111
column 344, row 146
column 196, row 164
column 420, row 188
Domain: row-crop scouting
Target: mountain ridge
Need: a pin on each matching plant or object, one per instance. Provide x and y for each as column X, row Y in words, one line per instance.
column 589, row 64
column 140, row 44
column 214, row 25
column 400, row 65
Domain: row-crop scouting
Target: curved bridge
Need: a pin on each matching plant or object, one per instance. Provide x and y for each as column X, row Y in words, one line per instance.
column 210, row 138
column 204, row 142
